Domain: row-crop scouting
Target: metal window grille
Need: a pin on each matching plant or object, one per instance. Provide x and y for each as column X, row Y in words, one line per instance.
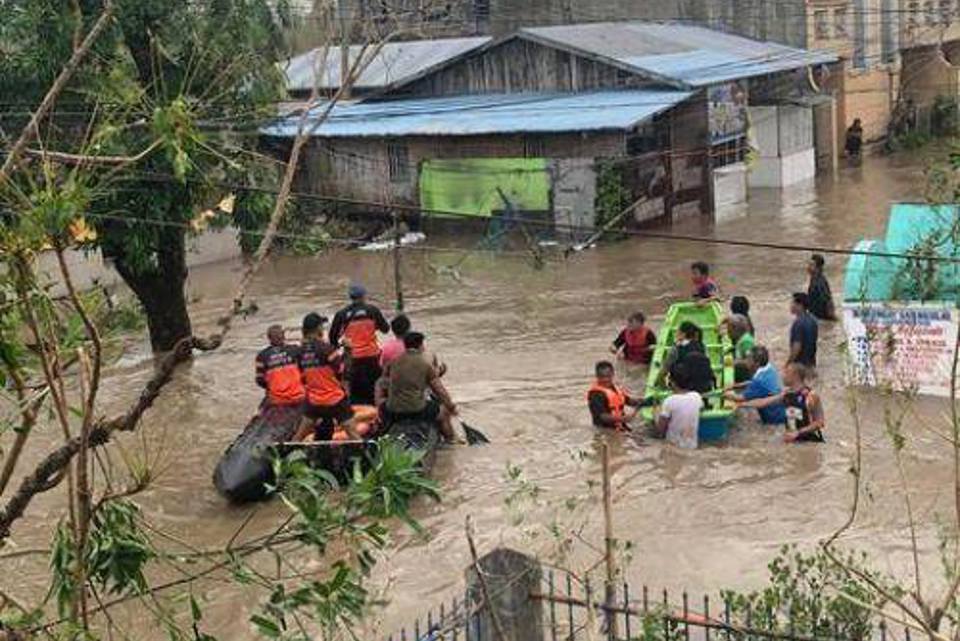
column 398, row 163
column 840, row 23
column 821, row 26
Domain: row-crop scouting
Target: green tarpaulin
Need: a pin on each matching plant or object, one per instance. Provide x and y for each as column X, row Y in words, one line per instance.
column 469, row 185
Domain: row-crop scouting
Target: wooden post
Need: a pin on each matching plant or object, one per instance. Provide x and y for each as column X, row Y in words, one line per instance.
column 509, row 578
column 611, row 582
column 397, row 274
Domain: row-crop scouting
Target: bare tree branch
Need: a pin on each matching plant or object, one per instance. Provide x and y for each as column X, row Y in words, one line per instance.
column 32, row 127
column 86, row 159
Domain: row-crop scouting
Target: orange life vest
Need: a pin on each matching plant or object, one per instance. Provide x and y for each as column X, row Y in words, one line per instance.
column 636, row 349
column 616, row 399
column 321, row 376
column 362, row 334
column 280, row 372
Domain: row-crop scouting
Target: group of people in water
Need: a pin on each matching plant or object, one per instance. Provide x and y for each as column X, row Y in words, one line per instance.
column 687, row 369
column 346, row 383
column 348, row 386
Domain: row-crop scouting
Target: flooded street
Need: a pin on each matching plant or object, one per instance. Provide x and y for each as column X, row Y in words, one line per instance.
column 521, row 345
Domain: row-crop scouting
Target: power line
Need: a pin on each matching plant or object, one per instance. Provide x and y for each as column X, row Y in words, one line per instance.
column 165, row 178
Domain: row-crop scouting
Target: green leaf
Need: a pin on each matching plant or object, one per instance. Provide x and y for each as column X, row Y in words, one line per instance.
column 265, row 626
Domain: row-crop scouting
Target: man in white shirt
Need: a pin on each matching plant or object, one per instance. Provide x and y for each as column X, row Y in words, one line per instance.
column 679, row 417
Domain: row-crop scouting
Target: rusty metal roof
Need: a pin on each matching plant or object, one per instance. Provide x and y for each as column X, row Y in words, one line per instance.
column 395, row 62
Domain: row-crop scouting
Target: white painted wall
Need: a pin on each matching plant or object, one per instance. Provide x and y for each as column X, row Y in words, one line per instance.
column 729, row 186
column 783, row 171
column 87, row 267
column 783, row 136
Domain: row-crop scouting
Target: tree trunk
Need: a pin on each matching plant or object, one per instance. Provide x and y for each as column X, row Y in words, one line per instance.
column 161, row 290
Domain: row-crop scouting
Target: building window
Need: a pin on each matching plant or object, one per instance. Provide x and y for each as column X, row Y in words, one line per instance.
column 533, row 147
column 913, row 15
column 859, row 34
column 481, row 9
column 623, row 78
column 946, row 12
column 929, row 13
column 888, row 36
column 821, row 26
column 398, row 163
column 647, row 138
column 840, row 23
column 729, row 152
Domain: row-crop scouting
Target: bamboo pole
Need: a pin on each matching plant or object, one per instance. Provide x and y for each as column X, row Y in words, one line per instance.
column 610, row 588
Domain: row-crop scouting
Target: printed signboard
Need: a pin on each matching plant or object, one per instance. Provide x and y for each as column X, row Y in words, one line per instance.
column 906, row 346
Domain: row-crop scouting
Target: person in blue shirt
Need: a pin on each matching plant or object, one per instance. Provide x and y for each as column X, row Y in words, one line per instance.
column 803, row 332
column 765, row 382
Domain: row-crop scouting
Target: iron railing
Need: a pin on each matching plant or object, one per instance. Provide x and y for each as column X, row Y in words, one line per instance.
column 571, row 608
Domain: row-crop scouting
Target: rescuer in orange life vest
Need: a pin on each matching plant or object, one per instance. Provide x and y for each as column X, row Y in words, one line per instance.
column 321, row 365
column 358, row 323
column 635, row 341
column 278, row 370
column 608, row 402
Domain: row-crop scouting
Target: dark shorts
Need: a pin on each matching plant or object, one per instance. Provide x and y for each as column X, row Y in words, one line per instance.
column 363, row 375
column 811, row 437
column 430, row 412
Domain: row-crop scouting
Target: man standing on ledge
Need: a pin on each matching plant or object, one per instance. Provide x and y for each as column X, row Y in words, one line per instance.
column 357, row 324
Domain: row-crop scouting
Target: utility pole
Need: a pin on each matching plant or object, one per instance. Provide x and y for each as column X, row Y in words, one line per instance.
column 343, row 24
column 397, row 272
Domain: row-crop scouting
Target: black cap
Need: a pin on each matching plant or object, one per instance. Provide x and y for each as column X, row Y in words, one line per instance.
column 313, row 321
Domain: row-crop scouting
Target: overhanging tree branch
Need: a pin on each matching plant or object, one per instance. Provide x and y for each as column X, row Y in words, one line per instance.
column 30, row 130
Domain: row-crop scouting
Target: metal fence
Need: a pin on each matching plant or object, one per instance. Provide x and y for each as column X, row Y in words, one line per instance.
column 572, row 609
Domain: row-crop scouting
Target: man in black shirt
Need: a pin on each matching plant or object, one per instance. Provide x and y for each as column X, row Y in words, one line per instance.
column 819, row 295
column 803, row 333
column 357, row 325
column 608, row 401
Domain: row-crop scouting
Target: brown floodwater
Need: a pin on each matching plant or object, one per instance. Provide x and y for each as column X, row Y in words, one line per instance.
column 521, row 344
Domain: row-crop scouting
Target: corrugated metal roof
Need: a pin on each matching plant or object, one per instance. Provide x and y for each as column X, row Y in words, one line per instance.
column 490, row 114
column 688, row 54
column 396, row 61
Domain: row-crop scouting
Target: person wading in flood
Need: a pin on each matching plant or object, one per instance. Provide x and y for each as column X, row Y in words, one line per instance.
column 679, row 417
column 411, row 377
column 608, row 402
column 358, row 323
column 636, row 341
column 327, row 406
column 818, row 290
column 705, row 288
column 689, row 349
column 803, row 333
column 764, row 383
column 853, row 144
column 278, row 371
column 804, row 409
column 741, row 305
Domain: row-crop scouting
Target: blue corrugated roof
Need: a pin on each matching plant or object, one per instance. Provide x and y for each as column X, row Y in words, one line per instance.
column 489, row 114
column 686, row 54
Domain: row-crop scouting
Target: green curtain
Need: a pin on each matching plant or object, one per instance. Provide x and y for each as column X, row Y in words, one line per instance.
column 469, row 185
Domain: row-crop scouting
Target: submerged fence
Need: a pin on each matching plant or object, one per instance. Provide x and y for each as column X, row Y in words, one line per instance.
column 512, row 599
